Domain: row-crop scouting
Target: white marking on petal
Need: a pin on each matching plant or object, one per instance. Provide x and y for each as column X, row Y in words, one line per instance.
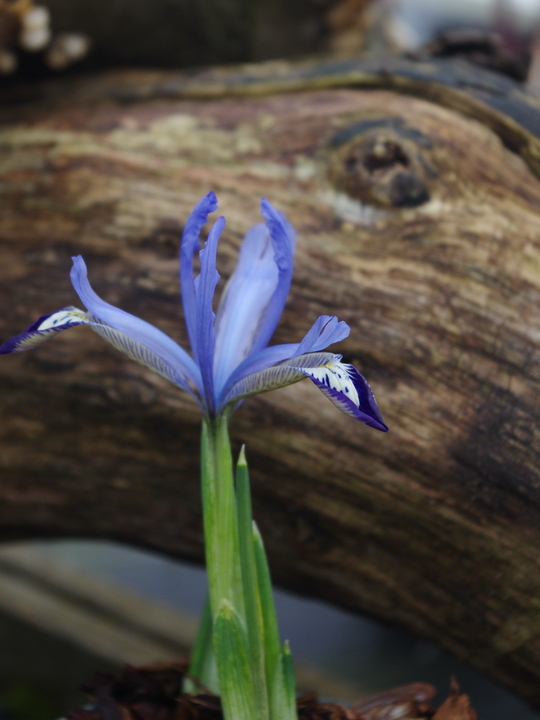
column 62, row 317
column 44, row 328
column 336, row 377
column 277, row 376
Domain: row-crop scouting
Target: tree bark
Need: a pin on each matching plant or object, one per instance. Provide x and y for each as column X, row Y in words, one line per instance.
column 416, row 224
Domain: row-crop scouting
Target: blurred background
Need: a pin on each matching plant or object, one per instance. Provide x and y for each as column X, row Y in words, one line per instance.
column 50, row 36
column 69, row 608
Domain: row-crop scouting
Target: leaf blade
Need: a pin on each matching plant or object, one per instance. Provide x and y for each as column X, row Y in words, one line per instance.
column 254, row 621
column 230, row 646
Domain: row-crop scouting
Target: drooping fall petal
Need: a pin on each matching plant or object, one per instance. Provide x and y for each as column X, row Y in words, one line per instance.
column 349, row 391
column 324, row 331
column 278, row 376
column 44, row 328
column 141, row 332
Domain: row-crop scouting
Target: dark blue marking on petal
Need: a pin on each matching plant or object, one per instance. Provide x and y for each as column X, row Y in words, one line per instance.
column 351, row 393
column 44, row 328
column 344, row 404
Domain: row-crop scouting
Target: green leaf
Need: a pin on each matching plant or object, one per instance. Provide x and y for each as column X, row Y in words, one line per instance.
column 272, row 647
column 254, row 622
column 202, row 664
column 289, row 679
column 283, row 700
column 230, row 645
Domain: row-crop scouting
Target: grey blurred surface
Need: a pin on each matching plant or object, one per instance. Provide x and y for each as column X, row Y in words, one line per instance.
column 367, row 655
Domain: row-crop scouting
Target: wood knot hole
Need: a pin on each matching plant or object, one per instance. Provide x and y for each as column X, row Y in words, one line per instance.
column 381, row 166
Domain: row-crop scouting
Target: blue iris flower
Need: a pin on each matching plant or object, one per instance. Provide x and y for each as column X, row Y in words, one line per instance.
column 231, row 359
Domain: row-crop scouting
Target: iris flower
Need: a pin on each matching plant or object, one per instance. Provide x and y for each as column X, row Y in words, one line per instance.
column 230, row 359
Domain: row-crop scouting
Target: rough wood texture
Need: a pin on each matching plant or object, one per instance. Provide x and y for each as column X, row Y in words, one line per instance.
column 434, row 526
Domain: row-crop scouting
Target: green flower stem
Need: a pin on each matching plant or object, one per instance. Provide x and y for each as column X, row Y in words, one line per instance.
column 223, row 567
column 220, row 520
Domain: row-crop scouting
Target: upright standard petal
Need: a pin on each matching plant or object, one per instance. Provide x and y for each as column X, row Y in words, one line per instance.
column 45, row 327
column 139, row 331
column 190, row 245
column 283, row 245
column 244, row 302
column 205, row 286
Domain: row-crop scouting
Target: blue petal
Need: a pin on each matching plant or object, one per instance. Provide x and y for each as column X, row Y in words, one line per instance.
column 326, row 330
column 349, row 391
column 190, row 244
column 139, row 331
column 283, row 244
column 140, row 353
column 285, row 373
column 45, row 328
column 205, row 286
column 244, row 302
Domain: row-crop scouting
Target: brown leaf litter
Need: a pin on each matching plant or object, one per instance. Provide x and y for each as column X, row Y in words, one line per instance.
column 154, row 692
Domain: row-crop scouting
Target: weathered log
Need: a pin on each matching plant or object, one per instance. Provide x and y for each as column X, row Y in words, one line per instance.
column 417, row 224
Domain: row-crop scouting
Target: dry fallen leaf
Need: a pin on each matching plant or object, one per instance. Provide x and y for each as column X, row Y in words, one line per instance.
column 456, row 706
column 404, row 702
